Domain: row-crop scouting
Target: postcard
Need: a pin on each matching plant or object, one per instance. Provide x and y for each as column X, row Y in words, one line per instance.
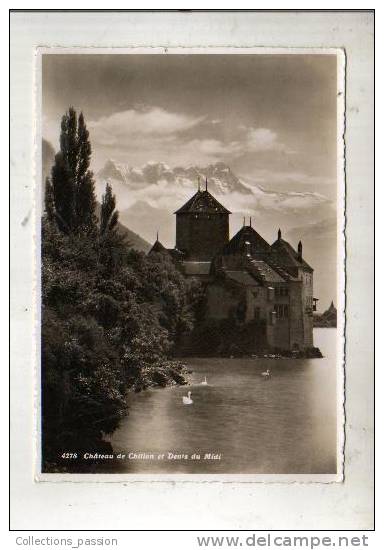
column 191, row 264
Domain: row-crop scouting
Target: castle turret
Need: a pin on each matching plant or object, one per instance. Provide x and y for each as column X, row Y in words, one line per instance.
column 202, row 226
column 300, row 251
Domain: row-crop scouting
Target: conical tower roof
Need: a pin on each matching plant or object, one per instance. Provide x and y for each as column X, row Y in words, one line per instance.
column 159, row 248
column 202, row 202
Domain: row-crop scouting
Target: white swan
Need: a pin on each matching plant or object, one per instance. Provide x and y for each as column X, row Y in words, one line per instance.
column 204, row 382
column 187, row 399
column 266, row 374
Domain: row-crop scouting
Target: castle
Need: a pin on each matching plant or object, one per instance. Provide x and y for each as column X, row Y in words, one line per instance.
column 266, row 289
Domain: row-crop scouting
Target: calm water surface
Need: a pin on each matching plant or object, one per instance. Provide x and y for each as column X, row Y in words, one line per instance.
column 286, row 424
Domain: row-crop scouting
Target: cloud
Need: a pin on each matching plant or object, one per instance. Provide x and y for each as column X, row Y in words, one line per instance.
column 253, row 140
column 140, row 133
column 282, row 181
column 249, row 140
column 262, row 139
column 153, row 122
column 135, row 135
column 213, row 149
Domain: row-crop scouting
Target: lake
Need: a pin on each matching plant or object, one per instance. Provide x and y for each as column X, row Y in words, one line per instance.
column 282, row 425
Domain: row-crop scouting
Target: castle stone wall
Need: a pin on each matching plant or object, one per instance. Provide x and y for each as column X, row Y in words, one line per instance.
column 296, row 322
column 201, row 236
column 307, row 304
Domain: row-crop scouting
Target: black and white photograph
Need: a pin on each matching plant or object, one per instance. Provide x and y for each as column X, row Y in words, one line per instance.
column 192, row 292
column 191, row 263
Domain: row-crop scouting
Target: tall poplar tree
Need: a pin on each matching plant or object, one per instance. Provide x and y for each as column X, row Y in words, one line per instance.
column 85, row 186
column 63, row 193
column 72, row 181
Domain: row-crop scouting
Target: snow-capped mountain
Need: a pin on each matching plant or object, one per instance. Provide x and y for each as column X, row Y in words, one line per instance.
column 221, row 180
column 166, row 189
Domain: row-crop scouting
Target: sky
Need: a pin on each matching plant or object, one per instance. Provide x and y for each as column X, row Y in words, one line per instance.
column 270, row 118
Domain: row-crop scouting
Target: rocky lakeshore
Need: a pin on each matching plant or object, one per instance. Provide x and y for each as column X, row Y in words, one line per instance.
column 169, row 373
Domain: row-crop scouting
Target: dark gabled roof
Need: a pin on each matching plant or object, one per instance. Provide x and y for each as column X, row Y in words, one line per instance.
column 285, row 255
column 266, row 272
column 246, row 234
column 241, row 277
column 202, row 202
column 271, row 261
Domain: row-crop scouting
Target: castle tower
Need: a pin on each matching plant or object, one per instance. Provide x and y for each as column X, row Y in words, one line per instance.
column 202, row 226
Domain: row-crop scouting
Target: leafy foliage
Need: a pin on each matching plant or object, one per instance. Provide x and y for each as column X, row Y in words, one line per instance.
column 111, row 318
column 108, row 215
column 73, row 188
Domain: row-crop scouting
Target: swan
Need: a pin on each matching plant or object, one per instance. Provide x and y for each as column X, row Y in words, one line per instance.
column 204, row 382
column 266, row 374
column 187, row 399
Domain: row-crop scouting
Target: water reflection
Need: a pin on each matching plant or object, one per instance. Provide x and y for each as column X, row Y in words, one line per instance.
column 285, row 424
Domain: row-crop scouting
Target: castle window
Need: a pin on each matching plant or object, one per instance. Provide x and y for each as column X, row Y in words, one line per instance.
column 282, row 311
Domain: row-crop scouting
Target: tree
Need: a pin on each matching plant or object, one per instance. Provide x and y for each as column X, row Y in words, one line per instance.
column 113, row 244
column 86, row 203
column 72, row 181
column 69, row 145
column 108, row 215
column 85, row 187
column 63, row 193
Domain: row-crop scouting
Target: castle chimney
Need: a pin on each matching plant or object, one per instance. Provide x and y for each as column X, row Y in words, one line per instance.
column 206, row 183
column 157, row 235
column 198, row 183
column 300, row 250
column 279, row 234
column 244, row 221
column 250, row 222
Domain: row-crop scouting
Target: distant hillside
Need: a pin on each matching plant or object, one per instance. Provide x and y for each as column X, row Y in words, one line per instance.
column 328, row 319
column 136, row 242
column 48, row 159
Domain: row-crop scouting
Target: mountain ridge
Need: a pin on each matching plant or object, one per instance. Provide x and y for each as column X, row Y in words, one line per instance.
column 221, row 179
